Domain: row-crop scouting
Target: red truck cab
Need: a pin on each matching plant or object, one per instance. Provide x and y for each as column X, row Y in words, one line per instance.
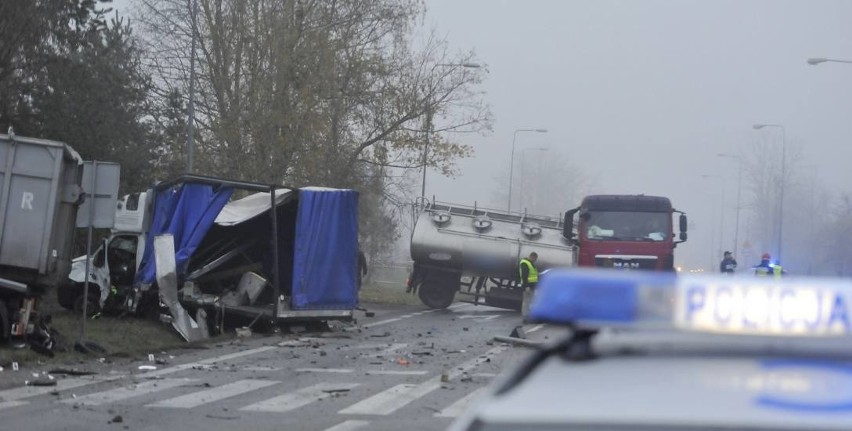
column 631, row 232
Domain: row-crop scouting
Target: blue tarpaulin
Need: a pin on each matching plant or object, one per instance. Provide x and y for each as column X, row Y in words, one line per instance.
column 325, row 257
column 186, row 211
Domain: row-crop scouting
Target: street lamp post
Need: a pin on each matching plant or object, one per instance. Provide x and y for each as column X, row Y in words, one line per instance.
column 739, row 193
column 783, row 180
column 512, row 160
column 190, row 126
column 523, row 165
column 429, row 113
column 722, row 208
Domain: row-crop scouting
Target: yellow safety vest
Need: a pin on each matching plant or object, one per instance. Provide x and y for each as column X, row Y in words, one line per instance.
column 533, row 273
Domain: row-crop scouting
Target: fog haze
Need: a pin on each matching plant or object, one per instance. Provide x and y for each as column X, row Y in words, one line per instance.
column 642, row 95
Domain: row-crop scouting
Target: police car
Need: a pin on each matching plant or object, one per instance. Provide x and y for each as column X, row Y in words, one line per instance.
column 650, row 351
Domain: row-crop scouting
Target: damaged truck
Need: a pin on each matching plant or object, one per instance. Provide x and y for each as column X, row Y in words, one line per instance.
column 205, row 253
column 40, row 193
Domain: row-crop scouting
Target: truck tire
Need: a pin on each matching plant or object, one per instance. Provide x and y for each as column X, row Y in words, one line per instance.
column 438, row 289
column 67, row 293
column 5, row 324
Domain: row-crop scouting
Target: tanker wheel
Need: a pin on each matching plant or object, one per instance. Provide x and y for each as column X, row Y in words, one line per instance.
column 434, row 295
column 438, row 289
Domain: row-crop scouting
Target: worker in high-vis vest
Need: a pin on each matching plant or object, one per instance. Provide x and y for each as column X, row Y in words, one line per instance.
column 529, row 279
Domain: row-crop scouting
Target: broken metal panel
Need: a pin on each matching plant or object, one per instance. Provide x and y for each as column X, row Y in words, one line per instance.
column 164, row 255
column 219, row 261
column 250, row 207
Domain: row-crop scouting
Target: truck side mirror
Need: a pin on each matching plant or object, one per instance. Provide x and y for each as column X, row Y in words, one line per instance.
column 683, row 224
column 568, row 225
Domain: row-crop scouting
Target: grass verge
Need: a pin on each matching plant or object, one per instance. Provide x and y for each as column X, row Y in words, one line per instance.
column 380, row 294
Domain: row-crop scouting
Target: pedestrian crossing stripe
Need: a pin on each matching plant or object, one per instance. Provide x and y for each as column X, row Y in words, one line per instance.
column 300, row 397
column 127, row 392
column 211, row 395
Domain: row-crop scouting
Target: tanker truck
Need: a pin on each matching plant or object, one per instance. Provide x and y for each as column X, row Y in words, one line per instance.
column 475, row 251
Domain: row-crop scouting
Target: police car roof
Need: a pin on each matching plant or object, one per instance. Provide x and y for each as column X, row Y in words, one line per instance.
column 674, row 393
column 661, row 365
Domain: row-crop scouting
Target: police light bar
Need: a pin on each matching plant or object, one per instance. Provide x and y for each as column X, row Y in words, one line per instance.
column 717, row 304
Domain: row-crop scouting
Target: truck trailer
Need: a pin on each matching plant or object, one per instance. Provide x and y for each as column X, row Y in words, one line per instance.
column 40, row 192
column 475, row 251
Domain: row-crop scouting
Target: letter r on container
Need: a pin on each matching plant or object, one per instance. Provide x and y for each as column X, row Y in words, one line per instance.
column 27, row 201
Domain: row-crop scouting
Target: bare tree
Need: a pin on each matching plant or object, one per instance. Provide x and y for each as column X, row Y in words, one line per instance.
column 301, row 92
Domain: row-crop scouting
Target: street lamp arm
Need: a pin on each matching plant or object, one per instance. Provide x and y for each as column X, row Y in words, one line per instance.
column 817, row 60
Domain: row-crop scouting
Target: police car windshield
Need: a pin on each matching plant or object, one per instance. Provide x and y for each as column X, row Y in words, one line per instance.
column 625, row 226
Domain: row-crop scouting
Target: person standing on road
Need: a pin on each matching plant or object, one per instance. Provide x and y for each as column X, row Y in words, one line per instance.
column 766, row 268
column 728, row 264
column 529, row 280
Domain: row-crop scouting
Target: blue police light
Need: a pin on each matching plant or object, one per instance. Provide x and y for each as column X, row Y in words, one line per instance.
column 719, row 304
column 569, row 296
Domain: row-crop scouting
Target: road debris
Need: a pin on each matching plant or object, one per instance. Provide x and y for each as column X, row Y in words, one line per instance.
column 385, row 334
column 243, row 332
column 147, row 367
column 336, row 390
column 403, row 361
column 40, row 382
column 116, row 420
column 71, row 372
column 518, row 341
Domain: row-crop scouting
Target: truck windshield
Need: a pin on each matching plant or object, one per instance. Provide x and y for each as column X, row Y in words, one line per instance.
column 626, row 226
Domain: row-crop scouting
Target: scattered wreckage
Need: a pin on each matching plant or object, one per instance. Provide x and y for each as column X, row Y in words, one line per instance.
column 192, row 253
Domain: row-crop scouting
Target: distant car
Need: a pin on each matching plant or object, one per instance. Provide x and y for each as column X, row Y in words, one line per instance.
column 650, row 352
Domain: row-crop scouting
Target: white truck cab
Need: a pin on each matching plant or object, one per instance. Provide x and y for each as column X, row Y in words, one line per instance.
column 115, row 262
column 648, row 352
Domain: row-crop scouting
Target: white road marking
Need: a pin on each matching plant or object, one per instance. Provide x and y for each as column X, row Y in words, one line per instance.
column 397, row 397
column 382, row 322
column 350, row 425
column 261, row 368
column 478, row 317
column 123, row 393
column 535, row 328
column 61, row 385
column 71, row 383
column 406, row 316
column 207, row 361
column 324, row 370
column 396, row 373
column 214, row 394
column 299, row 398
column 455, row 409
column 10, row 404
column 390, row 400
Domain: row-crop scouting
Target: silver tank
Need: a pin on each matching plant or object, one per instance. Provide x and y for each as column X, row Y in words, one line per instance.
column 479, row 241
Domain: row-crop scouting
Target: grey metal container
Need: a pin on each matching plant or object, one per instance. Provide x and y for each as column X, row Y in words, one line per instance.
column 476, row 241
column 39, row 195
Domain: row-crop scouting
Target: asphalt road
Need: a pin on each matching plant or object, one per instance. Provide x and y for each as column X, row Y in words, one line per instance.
column 405, row 368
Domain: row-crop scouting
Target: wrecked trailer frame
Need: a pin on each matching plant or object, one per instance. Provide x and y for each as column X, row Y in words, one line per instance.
column 276, row 311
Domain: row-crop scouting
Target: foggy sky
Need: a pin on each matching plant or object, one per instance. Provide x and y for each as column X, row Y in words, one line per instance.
column 644, row 94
